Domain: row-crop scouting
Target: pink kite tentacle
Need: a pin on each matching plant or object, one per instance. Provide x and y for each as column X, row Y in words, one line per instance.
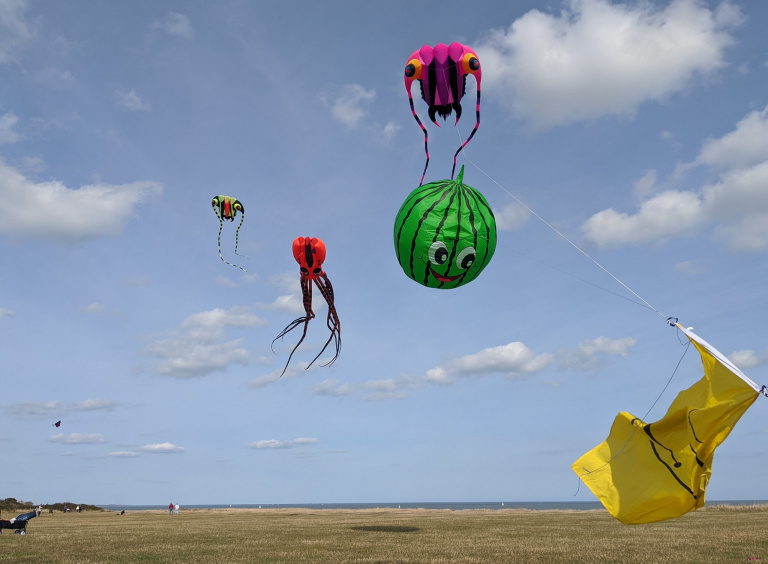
column 426, row 136
column 477, row 124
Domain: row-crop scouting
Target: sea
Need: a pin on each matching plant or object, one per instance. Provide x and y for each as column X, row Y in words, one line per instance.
column 454, row 506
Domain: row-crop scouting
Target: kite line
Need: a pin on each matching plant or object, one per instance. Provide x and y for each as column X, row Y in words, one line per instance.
column 566, row 239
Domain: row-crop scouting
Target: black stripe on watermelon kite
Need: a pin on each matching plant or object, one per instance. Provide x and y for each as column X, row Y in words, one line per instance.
column 445, row 234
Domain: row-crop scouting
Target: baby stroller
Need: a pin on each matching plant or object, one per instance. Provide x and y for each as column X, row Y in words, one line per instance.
column 17, row 524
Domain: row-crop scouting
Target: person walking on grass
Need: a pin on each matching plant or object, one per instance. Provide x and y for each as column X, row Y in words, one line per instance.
column 170, row 508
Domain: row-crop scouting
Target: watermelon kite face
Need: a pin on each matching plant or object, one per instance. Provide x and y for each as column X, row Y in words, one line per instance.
column 445, row 234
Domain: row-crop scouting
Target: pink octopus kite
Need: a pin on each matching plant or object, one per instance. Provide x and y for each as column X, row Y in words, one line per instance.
column 442, row 73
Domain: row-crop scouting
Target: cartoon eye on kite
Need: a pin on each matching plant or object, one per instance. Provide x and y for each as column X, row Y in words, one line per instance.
column 445, row 234
column 227, row 207
column 310, row 254
column 442, row 74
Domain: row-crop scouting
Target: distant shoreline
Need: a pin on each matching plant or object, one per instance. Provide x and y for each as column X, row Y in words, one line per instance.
column 529, row 505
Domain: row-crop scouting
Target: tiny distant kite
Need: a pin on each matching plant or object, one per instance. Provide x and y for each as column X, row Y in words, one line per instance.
column 57, row 424
column 310, row 254
column 442, row 73
column 648, row 472
column 227, row 207
column 445, row 234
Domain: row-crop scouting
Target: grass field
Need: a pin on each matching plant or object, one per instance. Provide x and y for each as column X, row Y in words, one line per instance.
column 715, row 534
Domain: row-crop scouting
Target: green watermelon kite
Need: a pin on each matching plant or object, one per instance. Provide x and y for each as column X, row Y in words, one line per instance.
column 445, row 234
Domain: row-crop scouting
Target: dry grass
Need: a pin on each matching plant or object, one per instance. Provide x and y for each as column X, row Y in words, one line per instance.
column 719, row 534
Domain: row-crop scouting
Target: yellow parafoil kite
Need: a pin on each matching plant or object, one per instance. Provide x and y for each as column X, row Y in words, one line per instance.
column 647, row 472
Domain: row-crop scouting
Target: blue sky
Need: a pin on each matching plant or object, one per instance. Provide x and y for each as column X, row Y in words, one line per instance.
column 636, row 130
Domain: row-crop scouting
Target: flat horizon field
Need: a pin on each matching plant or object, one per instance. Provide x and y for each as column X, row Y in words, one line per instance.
column 713, row 534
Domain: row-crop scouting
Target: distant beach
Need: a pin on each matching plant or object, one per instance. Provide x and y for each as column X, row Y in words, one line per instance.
column 455, row 506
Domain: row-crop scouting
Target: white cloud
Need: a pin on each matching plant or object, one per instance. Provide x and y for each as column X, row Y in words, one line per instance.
column 511, row 217
column 188, row 358
column 389, row 131
column 598, row 58
column 331, row 387
column 7, row 124
column 161, row 448
column 742, row 147
column 735, row 206
column 688, row 267
column 350, row 106
column 132, row 101
column 56, row 408
column 14, row 31
column 78, row 439
column 124, row 454
column 197, row 347
column 4, row 312
column 137, row 282
column 512, row 359
column 372, row 390
column 586, row 356
column 291, row 299
column 664, row 216
column 174, row 24
column 98, row 309
column 749, row 358
column 292, row 443
column 55, row 213
column 226, row 282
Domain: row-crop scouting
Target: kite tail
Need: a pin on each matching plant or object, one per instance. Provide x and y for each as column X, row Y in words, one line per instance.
column 237, row 233
column 221, row 226
column 426, row 137
column 306, row 290
column 477, row 124
column 332, row 321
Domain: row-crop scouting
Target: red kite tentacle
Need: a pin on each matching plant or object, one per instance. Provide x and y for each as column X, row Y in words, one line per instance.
column 306, row 292
column 332, row 320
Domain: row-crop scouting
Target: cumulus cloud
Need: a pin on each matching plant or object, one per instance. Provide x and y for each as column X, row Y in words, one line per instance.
column 373, row 390
column 290, row 299
column 513, row 359
column 175, row 24
column 161, row 448
column 15, row 33
column 4, row 312
column 688, row 267
column 96, row 308
column 291, row 443
column 198, row 347
column 587, row 355
column 293, row 369
column 132, row 101
column 55, row 213
column 78, row 439
column 598, row 58
column 742, row 147
column 749, row 358
column 735, row 206
column 57, row 408
column 350, row 107
column 124, row 454
column 511, row 217
column 332, row 387
column 7, row 124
